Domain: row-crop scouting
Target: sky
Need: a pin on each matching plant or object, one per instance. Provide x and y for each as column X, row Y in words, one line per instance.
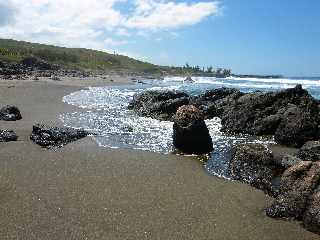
column 247, row 36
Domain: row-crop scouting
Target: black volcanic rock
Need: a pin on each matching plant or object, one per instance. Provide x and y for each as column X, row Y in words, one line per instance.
column 296, row 188
column 310, row 151
column 8, row 136
column 188, row 80
column 214, row 102
column 190, row 133
column 161, row 105
column 10, row 113
column 299, row 124
column 311, row 217
column 36, row 63
column 287, row 161
column 292, row 115
column 252, row 164
column 50, row 137
column 8, row 69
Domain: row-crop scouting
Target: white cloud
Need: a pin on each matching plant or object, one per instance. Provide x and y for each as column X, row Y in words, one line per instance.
column 70, row 23
column 93, row 23
column 155, row 15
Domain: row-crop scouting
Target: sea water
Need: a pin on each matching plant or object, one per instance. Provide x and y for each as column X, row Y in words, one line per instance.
column 103, row 111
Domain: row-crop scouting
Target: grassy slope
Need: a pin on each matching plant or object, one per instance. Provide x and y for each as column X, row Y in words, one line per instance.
column 74, row 58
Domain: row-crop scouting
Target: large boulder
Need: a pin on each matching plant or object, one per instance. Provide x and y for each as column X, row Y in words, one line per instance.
column 8, row 136
column 252, row 164
column 310, row 151
column 299, row 124
column 292, row 115
column 161, row 105
column 214, row 102
column 10, row 113
column 190, row 133
column 296, row 188
column 51, row 137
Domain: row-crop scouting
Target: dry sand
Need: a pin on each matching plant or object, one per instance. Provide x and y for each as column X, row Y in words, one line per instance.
column 85, row 192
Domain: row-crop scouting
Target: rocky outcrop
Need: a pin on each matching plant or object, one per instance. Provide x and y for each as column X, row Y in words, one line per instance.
column 252, row 164
column 10, row 113
column 38, row 64
column 188, row 80
column 190, row 133
column 8, row 69
column 51, row 137
column 291, row 115
column 310, row 151
column 8, row 136
column 297, row 193
column 215, row 102
column 296, row 188
column 287, row 161
column 158, row 104
column 299, row 124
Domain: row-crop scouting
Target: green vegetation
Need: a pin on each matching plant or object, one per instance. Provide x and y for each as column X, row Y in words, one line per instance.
column 72, row 58
column 92, row 60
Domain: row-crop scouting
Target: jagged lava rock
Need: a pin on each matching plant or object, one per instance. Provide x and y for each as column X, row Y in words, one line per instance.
column 296, row 188
column 50, row 137
column 292, row 115
column 8, row 136
column 214, row 102
column 190, row 133
column 161, row 105
column 252, row 164
column 310, row 151
column 10, row 113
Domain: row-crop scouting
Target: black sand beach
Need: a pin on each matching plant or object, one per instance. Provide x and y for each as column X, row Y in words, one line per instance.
column 82, row 191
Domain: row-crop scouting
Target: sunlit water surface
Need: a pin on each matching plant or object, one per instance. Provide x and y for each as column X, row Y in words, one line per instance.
column 104, row 112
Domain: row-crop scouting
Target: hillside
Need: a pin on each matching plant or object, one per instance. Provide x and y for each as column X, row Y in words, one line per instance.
column 12, row 52
column 73, row 58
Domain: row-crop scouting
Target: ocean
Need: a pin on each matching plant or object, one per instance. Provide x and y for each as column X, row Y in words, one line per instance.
column 103, row 111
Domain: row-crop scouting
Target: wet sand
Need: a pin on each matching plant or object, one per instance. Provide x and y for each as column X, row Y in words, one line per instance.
column 85, row 192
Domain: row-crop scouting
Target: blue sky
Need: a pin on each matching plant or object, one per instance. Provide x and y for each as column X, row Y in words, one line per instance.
column 248, row 36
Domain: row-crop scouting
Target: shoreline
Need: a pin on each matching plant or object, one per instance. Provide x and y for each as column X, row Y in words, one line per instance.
column 84, row 191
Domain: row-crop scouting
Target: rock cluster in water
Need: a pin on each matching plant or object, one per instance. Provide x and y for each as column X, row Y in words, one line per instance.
column 252, row 164
column 159, row 104
column 52, row 137
column 297, row 194
column 190, row 133
column 291, row 115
